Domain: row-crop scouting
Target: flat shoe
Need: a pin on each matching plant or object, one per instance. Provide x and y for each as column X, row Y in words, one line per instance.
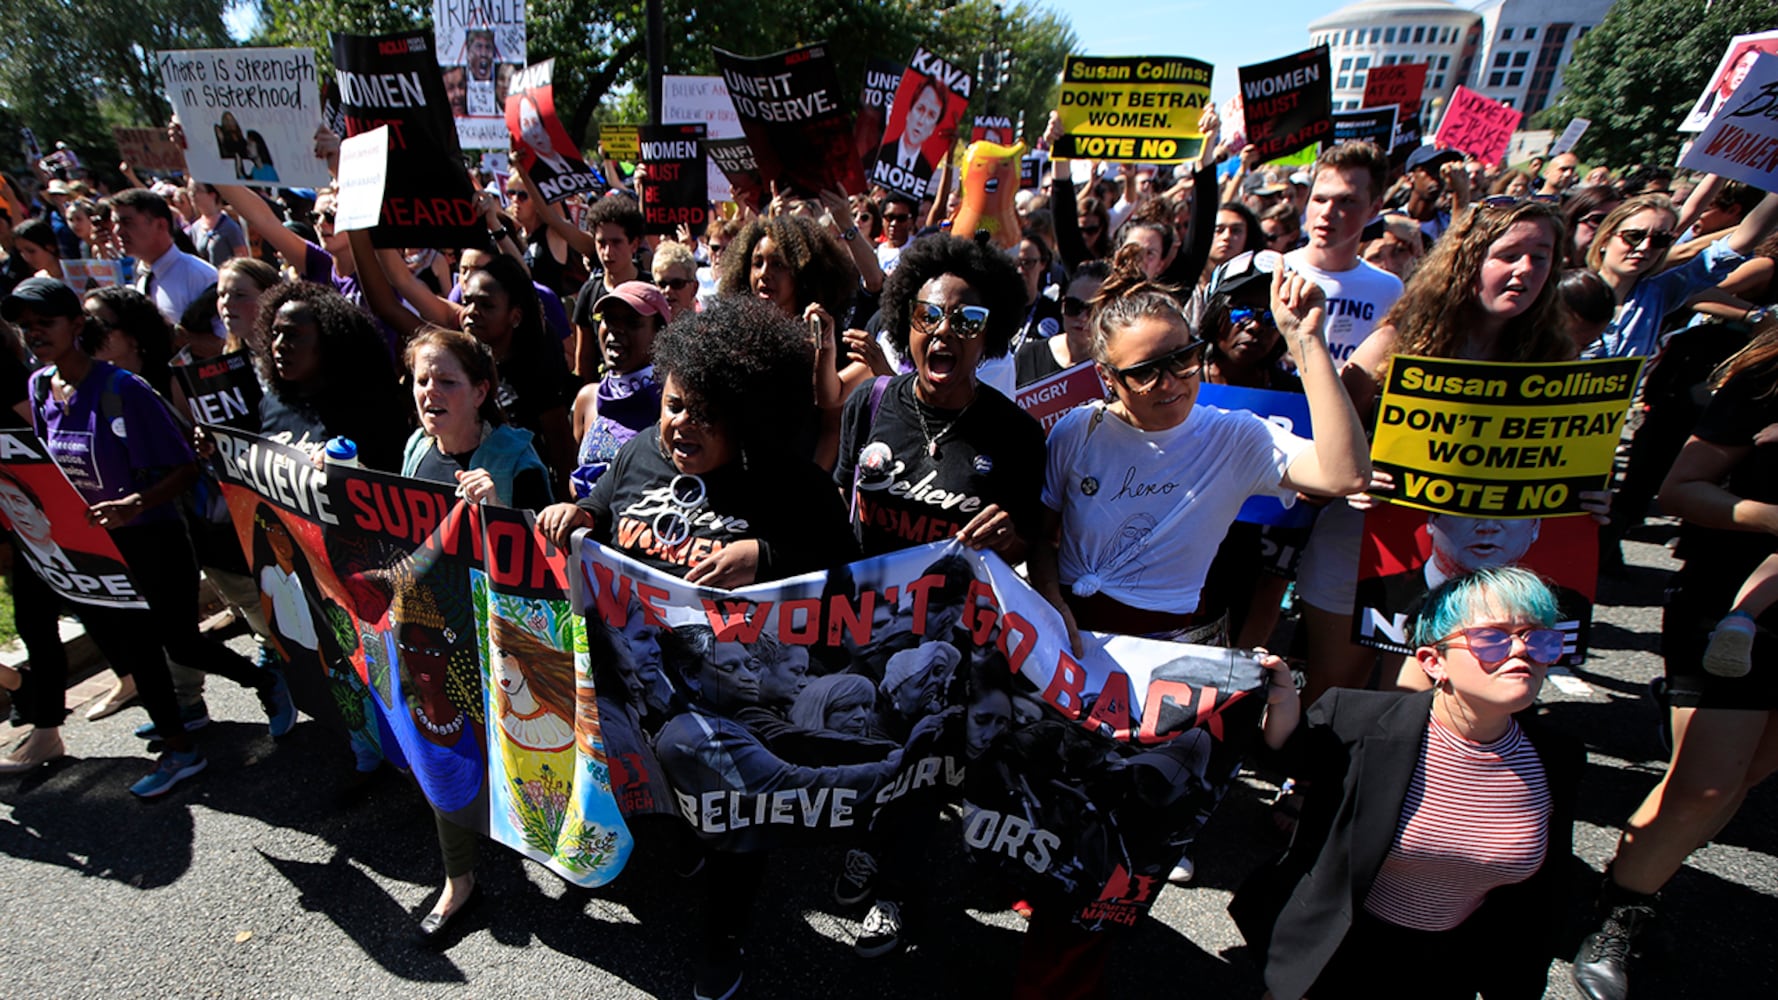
column 32, row 754
column 113, row 703
column 432, row 925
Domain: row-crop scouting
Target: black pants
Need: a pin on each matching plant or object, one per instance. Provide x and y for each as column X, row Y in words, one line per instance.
column 41, row 701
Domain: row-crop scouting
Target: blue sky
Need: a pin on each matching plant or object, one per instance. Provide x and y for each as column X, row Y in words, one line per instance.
column 1227, row 33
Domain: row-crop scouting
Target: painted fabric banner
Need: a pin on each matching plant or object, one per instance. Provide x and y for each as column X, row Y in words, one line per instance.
column 855, row 704
column 249, row 114
column 47, row 518
column 436, row 633
column 480, row 46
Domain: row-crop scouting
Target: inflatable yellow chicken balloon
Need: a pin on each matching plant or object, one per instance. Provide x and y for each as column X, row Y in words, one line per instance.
column 990, row 180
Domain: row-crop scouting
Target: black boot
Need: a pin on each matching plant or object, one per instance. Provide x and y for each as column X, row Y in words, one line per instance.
column 1601, row 968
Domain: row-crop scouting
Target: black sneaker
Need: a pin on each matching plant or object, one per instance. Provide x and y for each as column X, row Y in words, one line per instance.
column 881, row 933
column 855, row 884
column 1601, row 968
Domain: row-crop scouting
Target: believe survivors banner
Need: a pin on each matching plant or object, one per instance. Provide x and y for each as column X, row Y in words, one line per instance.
column 542, row 144
column 47, row 518
column 480, row 46
column 1288, row 103
column 249, row 114
column 818, row 708
column 790, row 106
column 923, row 120
column 1132, row 108
column 435, row 633
column 1500, row 440
column 392, row 80
column 675, row 187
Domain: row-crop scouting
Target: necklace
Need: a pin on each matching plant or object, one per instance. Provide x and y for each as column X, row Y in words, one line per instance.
column 932, row 439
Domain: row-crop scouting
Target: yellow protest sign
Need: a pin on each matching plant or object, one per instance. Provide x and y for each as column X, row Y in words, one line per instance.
column 621, row 142
column 1500, row 440
column 1132, row 108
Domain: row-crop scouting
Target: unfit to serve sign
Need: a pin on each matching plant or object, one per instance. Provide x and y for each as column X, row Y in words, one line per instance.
column 1500, row 440
column 1143, row 108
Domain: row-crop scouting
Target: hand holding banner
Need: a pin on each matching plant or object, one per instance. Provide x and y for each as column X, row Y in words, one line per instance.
column 249, row 114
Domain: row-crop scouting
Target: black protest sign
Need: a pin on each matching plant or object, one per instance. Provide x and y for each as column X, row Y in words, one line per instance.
column 790, row 107
column 1288, row 103
column 1376, row 125
column 881, row 78
column 222, row 391
column 734, row 157
column 676, row 187
column 393, row 80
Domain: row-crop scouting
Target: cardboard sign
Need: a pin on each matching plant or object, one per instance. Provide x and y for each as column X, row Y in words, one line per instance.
column 480, row 47
column 674, row 191
column 688, row 100
column 798, row 124
column 149, row 149
column 223, row 391
column 1288, row 103
column 1500, row 440
column 85, row 275
column 1049, row 399
column 364, row 171
column 1289, row 410
column 1374, row 125
column 881, row 78
column 249, row 114
column 1741, row 141
column 1132, row 108
column 1405, row 553
column 393, row 80
column 923, row 120
column 1730, row 73
column 544, row 149
column 1478, row 126
column 1576, row 128
column 47, row 518
column 620, row 142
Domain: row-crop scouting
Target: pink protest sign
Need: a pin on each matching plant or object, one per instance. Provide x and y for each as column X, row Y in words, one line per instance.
column 1476, row 125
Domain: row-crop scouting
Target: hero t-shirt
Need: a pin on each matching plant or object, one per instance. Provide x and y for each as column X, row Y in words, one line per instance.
column 990, row 452
column 1144, row 511
column 1356, row 301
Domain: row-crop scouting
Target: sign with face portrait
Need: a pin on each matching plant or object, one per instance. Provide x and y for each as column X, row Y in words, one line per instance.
column 46, row 516
column 480, row 46
column 249, row 114
column 542, row 145
column 923, row 120
column 1731, row 72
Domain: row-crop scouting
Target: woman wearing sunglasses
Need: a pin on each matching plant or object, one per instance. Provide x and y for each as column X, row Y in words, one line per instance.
column 1434, row 844
column 1630, row 250
column 1038, row 359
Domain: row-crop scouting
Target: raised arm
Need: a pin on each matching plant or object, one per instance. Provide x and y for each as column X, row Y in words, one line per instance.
column 579, row 239
column 433, row 307
column 1756, row 226
column 1339, row 463
column 378, row 294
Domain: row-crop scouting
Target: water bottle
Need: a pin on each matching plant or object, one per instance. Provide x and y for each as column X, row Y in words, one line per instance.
column 343, row 451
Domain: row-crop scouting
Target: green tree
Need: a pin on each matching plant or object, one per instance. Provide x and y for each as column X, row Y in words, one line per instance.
column 1638, row 73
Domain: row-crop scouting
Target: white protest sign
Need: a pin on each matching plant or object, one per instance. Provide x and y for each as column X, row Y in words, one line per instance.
column 1570, row 135
column 480, row 46
column 249, row 114
column 364, row 167
column 690, row 100
column 1741, row 141
column 1737, row 59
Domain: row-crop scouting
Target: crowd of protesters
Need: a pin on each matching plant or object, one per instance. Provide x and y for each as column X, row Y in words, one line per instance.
column 572, row 365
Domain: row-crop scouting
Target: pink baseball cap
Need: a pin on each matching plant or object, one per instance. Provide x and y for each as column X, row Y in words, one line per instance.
column 640, row 296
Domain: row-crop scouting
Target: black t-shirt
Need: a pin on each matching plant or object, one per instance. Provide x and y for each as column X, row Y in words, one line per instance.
column 1738, row 411
column 990, row 452
column 592, row 290
column 1035, row 360
column 561, row 278
column 299, row 424
column 14, row 387
column 530, row 488
column 789, row 507
column 534, row 380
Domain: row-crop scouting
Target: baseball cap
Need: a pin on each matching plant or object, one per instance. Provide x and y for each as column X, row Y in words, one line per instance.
column 58, row 186
column 1260, row 184
column 1430, row 158
column 48, row 296
column 640, row 296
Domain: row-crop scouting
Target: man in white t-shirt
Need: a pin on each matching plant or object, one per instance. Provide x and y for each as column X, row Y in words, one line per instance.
column 1346, row 193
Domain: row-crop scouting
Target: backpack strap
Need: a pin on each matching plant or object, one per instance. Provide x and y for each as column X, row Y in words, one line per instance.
column 879, row 385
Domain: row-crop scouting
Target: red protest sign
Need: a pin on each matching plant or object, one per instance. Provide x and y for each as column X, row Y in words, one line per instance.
column 1400, row 85
column 1049, row 399
column 1474, row 124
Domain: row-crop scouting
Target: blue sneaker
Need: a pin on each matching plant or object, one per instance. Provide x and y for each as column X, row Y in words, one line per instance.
column 194, row 718
column 171, row 770
column 280, row 711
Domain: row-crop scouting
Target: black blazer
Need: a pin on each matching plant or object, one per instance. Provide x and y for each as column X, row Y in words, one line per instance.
column 1297, row 912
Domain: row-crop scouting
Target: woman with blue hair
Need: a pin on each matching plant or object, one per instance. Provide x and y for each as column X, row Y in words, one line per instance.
column 1444, row 815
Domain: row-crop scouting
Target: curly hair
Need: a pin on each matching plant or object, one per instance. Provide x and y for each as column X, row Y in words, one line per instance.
column 618, row 211
column 984, row 269
column 1622, row 214
column 1129, row 295
column 824, row 270
column 138, row 319
column 360, row 376
column 1438, row 307
column 747, row 368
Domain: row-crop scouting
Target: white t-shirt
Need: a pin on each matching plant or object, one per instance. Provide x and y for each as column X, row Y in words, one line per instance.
column 1143, row 512
column 1356, row 301
column 290, row 611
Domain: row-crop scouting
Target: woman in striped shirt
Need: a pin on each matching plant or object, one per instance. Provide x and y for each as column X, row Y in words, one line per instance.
column 1451, row 826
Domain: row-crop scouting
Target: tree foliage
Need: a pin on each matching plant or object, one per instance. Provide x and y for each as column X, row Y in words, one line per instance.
column 1638, row 73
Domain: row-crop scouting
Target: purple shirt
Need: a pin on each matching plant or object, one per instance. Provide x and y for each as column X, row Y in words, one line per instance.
column 111, row 450
column 318, row 269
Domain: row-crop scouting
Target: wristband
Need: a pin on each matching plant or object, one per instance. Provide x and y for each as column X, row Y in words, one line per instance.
column 850, row 234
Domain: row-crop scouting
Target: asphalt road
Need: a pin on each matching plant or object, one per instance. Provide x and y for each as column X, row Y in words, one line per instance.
column 253, row 880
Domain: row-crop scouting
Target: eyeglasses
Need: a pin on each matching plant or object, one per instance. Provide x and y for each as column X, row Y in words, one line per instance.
column 894, row 217
column 1027, row 263
column 716, row 249
column 520, row 195
column 675, row 284
column 1089, row 230
column 1072, row 306
column 1144, row 376
column 1659, row 239
column 322, row 218
column 1240, row 315
column 965, row 322
column 685, row 494
column 1493, row 646
column 1594, row 218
